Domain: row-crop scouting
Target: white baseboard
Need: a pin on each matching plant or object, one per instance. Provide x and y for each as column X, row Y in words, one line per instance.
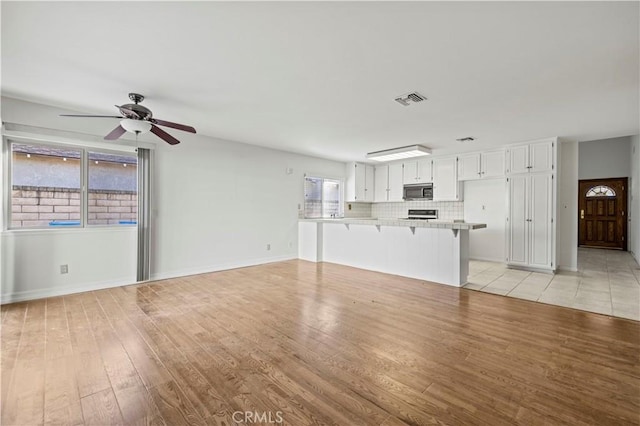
column 568, row 268
column 487, row 259
column 21, row 296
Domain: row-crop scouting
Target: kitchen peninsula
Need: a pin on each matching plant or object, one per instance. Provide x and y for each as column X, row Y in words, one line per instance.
column 435, row 251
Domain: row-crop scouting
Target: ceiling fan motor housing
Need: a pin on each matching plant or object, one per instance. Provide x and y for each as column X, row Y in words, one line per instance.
column 135, row 112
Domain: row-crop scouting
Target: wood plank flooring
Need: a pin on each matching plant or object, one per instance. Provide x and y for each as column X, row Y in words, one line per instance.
column 313, row 344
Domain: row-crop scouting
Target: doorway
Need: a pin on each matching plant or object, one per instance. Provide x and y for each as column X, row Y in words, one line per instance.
column 602, row 211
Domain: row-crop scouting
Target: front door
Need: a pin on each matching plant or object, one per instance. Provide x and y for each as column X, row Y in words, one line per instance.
column 602, row 213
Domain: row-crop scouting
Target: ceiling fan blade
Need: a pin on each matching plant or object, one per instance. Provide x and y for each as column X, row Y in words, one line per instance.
column 163, row 135
column 115, row 133
column 96, row 116
column 182, row 127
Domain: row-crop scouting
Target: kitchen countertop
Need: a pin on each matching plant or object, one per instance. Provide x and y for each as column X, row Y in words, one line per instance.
column 433, row 223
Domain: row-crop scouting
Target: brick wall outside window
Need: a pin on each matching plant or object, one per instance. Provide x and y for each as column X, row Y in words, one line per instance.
column 37, row 206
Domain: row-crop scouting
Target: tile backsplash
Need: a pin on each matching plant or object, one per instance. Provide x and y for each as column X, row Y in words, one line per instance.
column 447, row 210
column 358, row 210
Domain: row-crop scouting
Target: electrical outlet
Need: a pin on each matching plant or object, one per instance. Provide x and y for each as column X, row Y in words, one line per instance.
column 268, row 246
column 64, row 269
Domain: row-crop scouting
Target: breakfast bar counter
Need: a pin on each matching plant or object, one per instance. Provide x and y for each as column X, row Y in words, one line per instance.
column 436, row 251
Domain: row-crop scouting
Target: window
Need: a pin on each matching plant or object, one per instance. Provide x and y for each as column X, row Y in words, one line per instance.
column 47, row 189
column 113, row 194
column 322, row 197
column 601, row 191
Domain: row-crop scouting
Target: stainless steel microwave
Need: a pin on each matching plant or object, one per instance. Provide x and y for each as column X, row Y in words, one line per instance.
column 418, row 191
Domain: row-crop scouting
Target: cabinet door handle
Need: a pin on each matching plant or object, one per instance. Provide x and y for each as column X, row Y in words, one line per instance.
column 582, row 214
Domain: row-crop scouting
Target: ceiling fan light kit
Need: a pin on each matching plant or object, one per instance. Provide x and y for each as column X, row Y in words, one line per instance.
column 135, row 126
column 138, row 119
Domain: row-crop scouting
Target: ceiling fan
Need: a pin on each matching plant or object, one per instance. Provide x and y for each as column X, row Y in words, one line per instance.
column 138, row 119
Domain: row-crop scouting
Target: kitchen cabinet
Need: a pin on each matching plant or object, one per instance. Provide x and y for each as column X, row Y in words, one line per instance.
column 481, row 165
column 359, row 183
column 388, row 182
column 417, row 171
column 531, row 158
column 445, row 180
column 492, row 164
column 530, row 221
column 469, row 166
column 381, row 183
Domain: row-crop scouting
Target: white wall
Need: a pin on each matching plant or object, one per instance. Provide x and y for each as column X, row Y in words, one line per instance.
column 485, row 201
column 97, row 258
column 634, row 197
column 217, row 204
column 567, row 207
column 606, row 158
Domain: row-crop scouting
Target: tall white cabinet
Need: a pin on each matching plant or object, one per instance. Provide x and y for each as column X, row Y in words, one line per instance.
column 530, row 224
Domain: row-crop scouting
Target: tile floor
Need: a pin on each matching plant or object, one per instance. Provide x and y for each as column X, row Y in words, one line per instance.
column 607, row 282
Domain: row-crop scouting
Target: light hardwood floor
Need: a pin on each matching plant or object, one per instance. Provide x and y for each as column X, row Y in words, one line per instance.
column 319, row 344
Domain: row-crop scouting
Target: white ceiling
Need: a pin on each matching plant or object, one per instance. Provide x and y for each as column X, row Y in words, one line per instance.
column 320, row 77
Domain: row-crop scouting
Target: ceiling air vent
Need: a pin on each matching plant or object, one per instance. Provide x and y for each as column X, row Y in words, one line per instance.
column 467, row 139
column 410, row 97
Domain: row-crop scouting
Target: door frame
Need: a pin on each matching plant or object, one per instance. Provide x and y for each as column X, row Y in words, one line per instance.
column 624, row 209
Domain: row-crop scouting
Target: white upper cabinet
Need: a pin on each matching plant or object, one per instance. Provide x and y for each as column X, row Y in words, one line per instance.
column 534, row 157
column 469, row 166
column 492, row 164
column 381, row 184
column 481, row 165
column 425, row 171
column 359, row 183
column 395, row 182
column 445, row 180
column 388, row 182
column 417, row 171
column 541, row 156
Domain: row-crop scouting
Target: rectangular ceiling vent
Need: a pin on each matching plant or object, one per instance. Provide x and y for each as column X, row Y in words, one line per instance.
column 414, row 97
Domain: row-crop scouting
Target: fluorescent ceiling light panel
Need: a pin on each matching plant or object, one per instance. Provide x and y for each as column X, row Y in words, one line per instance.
column 399, row 153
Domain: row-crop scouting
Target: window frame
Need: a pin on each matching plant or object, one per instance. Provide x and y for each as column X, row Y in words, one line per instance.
column 600, row 194
column 7, row 151
column 341, row 201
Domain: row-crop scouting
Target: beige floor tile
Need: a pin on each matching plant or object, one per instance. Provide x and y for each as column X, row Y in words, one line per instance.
column 585, row 296
column 594, row 286
column 556, row 299
column 560, row 292
column 472, row 286
column 567, row 303
column 524, row 294
column 500, row 291
column 563, row 285
column 482, row 279
column 607, row 282
column 592, row 306
column 503, row 284
column 627, row 311
column 625, row 298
